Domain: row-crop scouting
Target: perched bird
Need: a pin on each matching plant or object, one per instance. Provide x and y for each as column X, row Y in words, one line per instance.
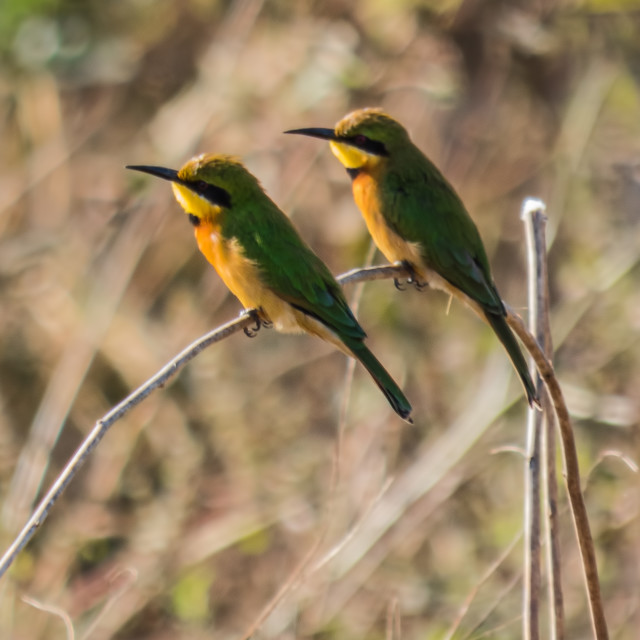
column 259, row 255
column 417, row 219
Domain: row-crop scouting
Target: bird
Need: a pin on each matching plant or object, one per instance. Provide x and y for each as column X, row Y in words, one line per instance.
column 417, row 219
column 261, row 258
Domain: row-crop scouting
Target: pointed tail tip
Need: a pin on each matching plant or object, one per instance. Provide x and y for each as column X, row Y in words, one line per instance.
column 532, row 393
column 534, row 402
column 399, row 403
column 391, row 391
column 403, row 410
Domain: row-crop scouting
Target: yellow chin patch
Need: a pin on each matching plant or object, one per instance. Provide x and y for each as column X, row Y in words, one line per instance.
column 192, row 203
column 351, row 157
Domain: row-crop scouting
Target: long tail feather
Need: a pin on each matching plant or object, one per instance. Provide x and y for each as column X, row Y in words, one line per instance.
column 505, row 335
column 385, row 382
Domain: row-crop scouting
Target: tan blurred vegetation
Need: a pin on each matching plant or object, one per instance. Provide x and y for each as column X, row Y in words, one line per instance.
column 197, row 508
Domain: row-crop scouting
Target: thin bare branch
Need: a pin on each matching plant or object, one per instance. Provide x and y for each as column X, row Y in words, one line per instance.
column 56, row 611
column 357, row 275
column 103, row 425
column 305, row 568
column 290, row 583
column 490, row 571
column 158, row 380
column 394, row 629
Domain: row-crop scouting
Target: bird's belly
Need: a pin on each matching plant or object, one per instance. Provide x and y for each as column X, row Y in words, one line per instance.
column 243, row 278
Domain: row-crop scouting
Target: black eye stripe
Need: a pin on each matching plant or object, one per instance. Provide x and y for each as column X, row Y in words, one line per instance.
column 215, row 195
column 374, row 147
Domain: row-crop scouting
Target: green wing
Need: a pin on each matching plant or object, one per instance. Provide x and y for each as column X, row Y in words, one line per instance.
column 291, row 269
column 423, row 207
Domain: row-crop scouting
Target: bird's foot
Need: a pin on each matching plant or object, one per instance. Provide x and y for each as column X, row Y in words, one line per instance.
column 412, row 278
column 397, row 281
column 420, row 286
column 251, row 332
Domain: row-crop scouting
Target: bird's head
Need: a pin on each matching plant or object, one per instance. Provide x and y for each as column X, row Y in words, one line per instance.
column 206, row 185
column 363, row 138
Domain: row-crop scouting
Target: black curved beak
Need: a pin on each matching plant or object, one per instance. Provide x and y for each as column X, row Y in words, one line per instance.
column 316, row 132
column 159, row 172
column 214, row 194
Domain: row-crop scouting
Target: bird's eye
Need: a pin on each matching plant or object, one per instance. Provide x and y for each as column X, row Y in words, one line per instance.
column 360, row 139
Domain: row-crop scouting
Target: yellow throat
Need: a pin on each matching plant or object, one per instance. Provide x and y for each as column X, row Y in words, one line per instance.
column 352, row 157
column 192, row 203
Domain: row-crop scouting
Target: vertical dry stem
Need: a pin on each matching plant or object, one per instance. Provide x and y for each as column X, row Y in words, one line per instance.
column 572, row 475
column 535, row 222
column 531, row 560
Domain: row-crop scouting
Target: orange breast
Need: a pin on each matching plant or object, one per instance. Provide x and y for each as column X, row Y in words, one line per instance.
column 394, row 247
column 239, row 273
column 244, row 279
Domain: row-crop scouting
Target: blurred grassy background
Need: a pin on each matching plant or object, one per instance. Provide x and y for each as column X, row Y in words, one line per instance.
column 200, row 504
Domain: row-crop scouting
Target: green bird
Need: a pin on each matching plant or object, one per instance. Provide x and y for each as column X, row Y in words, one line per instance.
column 259, row 255
column 417, row 219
